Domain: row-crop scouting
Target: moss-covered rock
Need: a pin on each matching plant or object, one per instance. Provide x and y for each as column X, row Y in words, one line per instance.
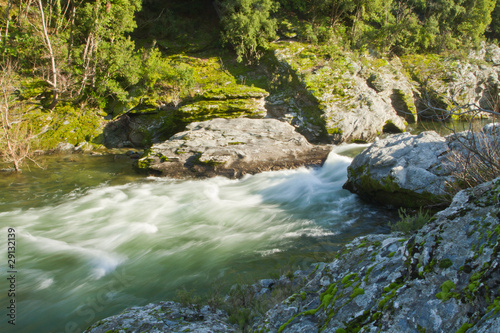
column 403, row 170
column 232, row 148
column 67, row 124
column 341, row 83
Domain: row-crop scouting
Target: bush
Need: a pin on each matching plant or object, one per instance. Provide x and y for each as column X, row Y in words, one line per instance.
column 248, row 27
column 410, row 222
column 475, row 157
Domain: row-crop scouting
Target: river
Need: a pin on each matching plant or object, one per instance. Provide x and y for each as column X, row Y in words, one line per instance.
column 92, row 237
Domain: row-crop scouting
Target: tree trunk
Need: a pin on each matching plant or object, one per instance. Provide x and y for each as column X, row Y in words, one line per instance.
column 53, row 83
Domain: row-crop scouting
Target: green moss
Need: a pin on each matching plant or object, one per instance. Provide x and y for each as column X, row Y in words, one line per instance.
column 234, row 92
column 446, row 293
column 363, row 243
column 145, row 162
column 420, row 329
column 368, row 272
column 464, row 328
column 495, row 306
column 334, row 130
column 390, row 255
column 349, row 279
column 357, row 292
column 383, row 302
column 376, row 316
column 68, row 124
column 231, row 108
column 445, row 263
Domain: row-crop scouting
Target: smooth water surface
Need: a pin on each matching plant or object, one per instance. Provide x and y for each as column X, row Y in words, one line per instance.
column 93, row 238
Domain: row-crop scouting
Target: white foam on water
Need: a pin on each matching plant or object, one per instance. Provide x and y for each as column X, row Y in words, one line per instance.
column 46, row 283
column 164, row 232
column 101, row 262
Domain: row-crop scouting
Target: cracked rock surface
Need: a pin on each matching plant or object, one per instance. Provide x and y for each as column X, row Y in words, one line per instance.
column 233, row 148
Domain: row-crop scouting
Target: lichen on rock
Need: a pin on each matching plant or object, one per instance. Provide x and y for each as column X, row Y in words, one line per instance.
column 232, row 148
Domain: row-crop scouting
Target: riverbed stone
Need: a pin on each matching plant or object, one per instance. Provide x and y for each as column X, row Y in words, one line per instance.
column 402, row 170
column 166, row 317
column 418, row 170
column 232, row 148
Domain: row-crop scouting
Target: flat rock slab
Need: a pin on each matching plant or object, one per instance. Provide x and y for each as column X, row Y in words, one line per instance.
column 232, row 148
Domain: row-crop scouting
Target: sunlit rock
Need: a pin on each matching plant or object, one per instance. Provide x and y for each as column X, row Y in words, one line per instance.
column 232, row 148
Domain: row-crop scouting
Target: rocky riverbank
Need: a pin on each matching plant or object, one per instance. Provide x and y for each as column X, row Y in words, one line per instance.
column 441, row 278
column 444, row 278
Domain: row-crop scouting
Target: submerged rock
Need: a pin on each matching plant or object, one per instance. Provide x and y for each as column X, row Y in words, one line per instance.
column 232, row 148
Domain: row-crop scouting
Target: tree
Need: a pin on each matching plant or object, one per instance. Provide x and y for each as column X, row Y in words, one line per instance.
column 48, row 44
column 476, row 19
column 16, row 136
column 248, row 26
column 494, row 29
column 106, row 56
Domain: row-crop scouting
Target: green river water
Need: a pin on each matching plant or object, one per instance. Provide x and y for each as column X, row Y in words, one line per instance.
column 92, row 237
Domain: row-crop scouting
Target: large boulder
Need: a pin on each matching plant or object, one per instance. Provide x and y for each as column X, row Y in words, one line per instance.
column 357, row 99
column 402, row 170
column 232, row 148
column 422, row 170
column 446, row 83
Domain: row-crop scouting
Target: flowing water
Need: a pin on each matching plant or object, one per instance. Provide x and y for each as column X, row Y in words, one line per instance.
column 93, row 238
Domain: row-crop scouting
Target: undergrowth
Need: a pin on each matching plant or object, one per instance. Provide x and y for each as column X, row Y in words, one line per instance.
column 409, row 221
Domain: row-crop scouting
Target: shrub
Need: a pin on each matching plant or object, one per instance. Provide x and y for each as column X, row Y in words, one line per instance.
column 410, row 222
column 475, row 157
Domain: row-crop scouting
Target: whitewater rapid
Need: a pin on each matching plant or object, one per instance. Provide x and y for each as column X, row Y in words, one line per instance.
column 105, row 248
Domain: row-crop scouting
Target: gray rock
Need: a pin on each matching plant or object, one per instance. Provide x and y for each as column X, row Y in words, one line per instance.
column 165, row 317
column 443, row 278
column 470, row 82
column 402, row 170
column 416, row 170
column 65, row 147
column 357, row 99
column 232, row 148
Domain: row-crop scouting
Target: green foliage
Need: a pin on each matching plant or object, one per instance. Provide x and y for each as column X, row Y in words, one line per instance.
column 494, row 28
column 248, row 27
column 409, row 222
column 187, row 297
column 161, row 74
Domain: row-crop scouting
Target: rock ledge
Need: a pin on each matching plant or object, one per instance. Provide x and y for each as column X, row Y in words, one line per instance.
column 232, row 148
